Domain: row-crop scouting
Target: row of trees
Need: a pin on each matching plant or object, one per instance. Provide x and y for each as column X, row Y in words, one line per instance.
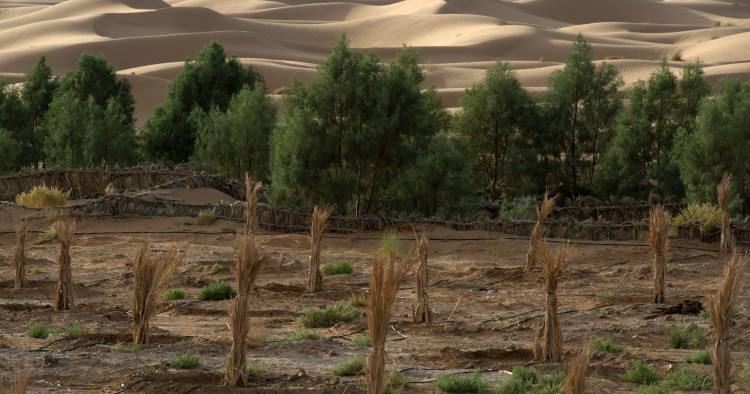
column 367, row 137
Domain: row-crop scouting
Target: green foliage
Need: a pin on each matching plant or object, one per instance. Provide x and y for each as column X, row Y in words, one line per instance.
column 173, row 293
column 302, row 335
column 257, row 368
column 185, row 360
column 48, row 235
column 328, row 316
column 217, row 291
column 608, row 346
column 351, row 367
column 706, row 314
column 361, row 341
column 37, row 92
column 357, row 300
column 396, row 382
column 524, row 210
column 122, row 347
column 15, row 127
column 10, row 149
column 688, row 379
column 38, row 330
column 689, row 336
column 340, row 267
column 450, row 383
column 521, row 380
column 607, row 294
column 654, row 389
column 553, row 383
column 700, row 356
column 640, row 373
column 390, row 243
column 77, row 330
column 212, row 269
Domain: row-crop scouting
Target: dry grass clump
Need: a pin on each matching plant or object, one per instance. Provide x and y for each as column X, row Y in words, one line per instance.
column 538, row 233
column 149, row 281
column 658, row 238
column 19, row 253
column 575, row 381
column 206, row 217
column 317, row 228
column 64, row 295
column 723, row 193
column 248, row 264
column 252, row 220
column 721, row 309
column 43, row 196
column 387, row 274
column 548, row 340
column 422, row 313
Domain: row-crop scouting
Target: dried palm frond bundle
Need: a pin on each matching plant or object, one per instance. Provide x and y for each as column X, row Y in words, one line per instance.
column 19, row 253
column 658, row 238
column 249, row 262
column 149, row 282
column 422, row 314
column 65, row 229
column 538, row 233
column 317, row 228
column 548, row 340
column 721, row 309
column 575, row 380
column 252, row 224
column 387, row 274
column 17, row 384
column 722, row 190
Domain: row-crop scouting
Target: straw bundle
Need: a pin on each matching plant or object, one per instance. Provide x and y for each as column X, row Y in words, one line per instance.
column 248, row 265
column 538, row 232
column 722, row 190
column 17, row 384
column 317, row 228
column 422, row 314
column 548, row 341
column 252, row 223
column 149, row 281
column 65, row 229
column 721, row 308
column 19, row 254
column 387, row 274
column 575, row 381
column 658, row 238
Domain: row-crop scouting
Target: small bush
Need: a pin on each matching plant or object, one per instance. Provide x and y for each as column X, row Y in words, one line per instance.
column 520, row 380
column 461, row 384
column 686, row 337
column 48, row 235
column 700, row 357
column 217, row 292
column 676, row 56
column 361, row 341
column 351, row 367
column 524, row 210
column 173, row 293
column 256, row 368
column 206, row 217
column 186, row 360
column 36, row 270
column 358, row 301
column 640, row 373
column 705, row 214
column 212, row 269
column 607, row 294
column 341, row 267
column 302, row 335
column 654, row 389
column 396, row 382
column 76, row 330
column 37, row 330
column 330, row 315
column 43, row 196
column 122, row 347
column 688, row 379
column 553, row 383
column 704, row 314
column 608, row 346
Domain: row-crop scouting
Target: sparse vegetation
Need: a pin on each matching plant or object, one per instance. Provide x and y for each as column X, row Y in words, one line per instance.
column 676, row 56
column 38, row 330
column 76, row 330
column 640, row 373
column 173, row 293
column 351, row 367
column 688, row 379
column 122, row 347
column 682, row 336
column 43, row 196
column 328, row 316
column 396, row 382
column 700, row 357
column 48, row 235
column 217, row 292
column 606, row 294
column 524, row 210
column 451, row 383
column 185, row 360
column 358, row 300
column 303, row 335
column 521, row 380
column 36, row 270
column 361, row 341
column 210, row 270
column 340, row 267
column 206, row 217
column 707, row 215
column 606, row 345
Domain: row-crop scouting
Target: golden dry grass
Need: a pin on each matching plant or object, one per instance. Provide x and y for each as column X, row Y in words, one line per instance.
column 538, row 233
column 658, row 238
column 575, row 380
column 548, row 340
column 252, row 220
column 19, row 254
column 422, row 313
column 317, row 229
column 64, row 295
column 724, row 195
column 43, row 196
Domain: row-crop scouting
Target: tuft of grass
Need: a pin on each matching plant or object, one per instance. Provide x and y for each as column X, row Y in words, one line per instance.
column 122, row 347
column 705, row 214
column 688, row 379
column 38, row 330
column 330, row 315
column 683, row 336
column 640, row 373
column 36, row 270
column 524, row 210
column 234, row 245
column 654, row 389
column 185, row 360
column 206, row 217
column 461, row 384
column 704, row 314
column 553, row 383
column 390, row 244
column 361, row 341
column 396, row 382
column 607, row 294
column 676, row 56
column 608, row 346
column 700, row 357
column 256, row 368
column 717, row 23
column 217, row 292
column 302, row 335
column 521, row 380
column 76, row 330
column 48, row 235
column 351, row 367
column 212, row 269
column 43, row 196
column 340, row 267
column 358, row 300
column 173, row 293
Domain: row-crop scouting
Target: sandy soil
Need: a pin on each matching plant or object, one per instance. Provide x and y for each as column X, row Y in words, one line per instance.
column 486, row 312
column 148, row 40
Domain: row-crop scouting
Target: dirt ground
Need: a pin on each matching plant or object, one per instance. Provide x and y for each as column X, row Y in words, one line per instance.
column 486, row 312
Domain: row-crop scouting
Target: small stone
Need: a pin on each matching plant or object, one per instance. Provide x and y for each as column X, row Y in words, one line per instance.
column 473, row 329
column 332, row 353
column 450, row 328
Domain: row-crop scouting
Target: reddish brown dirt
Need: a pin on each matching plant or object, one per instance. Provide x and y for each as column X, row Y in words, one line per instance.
column 485, row 311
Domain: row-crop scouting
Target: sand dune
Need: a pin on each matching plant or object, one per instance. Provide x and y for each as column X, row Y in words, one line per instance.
column 148, row 40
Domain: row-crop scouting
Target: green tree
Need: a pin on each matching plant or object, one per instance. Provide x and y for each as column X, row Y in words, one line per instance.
column 693, row 89
column 36, row 93
column 209, row 81
column 109, row 138
column 9, row 150
column 14, row 120
column 65, row 125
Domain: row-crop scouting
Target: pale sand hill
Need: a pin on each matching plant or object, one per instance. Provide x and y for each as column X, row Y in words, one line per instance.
column 148, row 40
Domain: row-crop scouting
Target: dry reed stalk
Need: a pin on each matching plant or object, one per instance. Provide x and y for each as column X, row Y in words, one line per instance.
column 248, row 264
column 252, row 224
column 317, row 228
column 575, row 381
column 19, row 253
column 65, row 229
column 722, row 190
column 149, row 282
column 422, row 314
column 658, row 238
column 721, row 308
column 538, row 233
column 387, row 275
column 17, row 384
column 548, row 341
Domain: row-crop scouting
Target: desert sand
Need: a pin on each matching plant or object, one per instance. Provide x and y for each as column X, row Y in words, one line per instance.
column 148, row 40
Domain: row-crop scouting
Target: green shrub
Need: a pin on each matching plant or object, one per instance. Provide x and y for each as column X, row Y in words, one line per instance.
column 37, row 330
column 212, row 269
column 341, row 267
column 206, row 217
column 186, row 360
column 553, row 383
column 36, row 270
column 122, row 347
column 608, row 346
column 43, row 196
column 640, row 373
column 330, row 315
column 351, row 367
column 48, row 235
column 361, row 341
column 76, row 330
column 654, row 389
column 520, row 380
column 461, row 384
column 524, row 210
column 173, row 293
column 302, row 335
column 390, row 243
column 705, row 214
column 700, row 357
column 396, row 382
column 683, row 336
column 688, row 379
column 217, row 291
column 358, row 301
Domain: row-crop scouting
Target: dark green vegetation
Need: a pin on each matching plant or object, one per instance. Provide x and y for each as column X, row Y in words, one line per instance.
column 450, row 383
column 338, row 268
column 328, row 316
column 369, row 137
column 217, row 292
